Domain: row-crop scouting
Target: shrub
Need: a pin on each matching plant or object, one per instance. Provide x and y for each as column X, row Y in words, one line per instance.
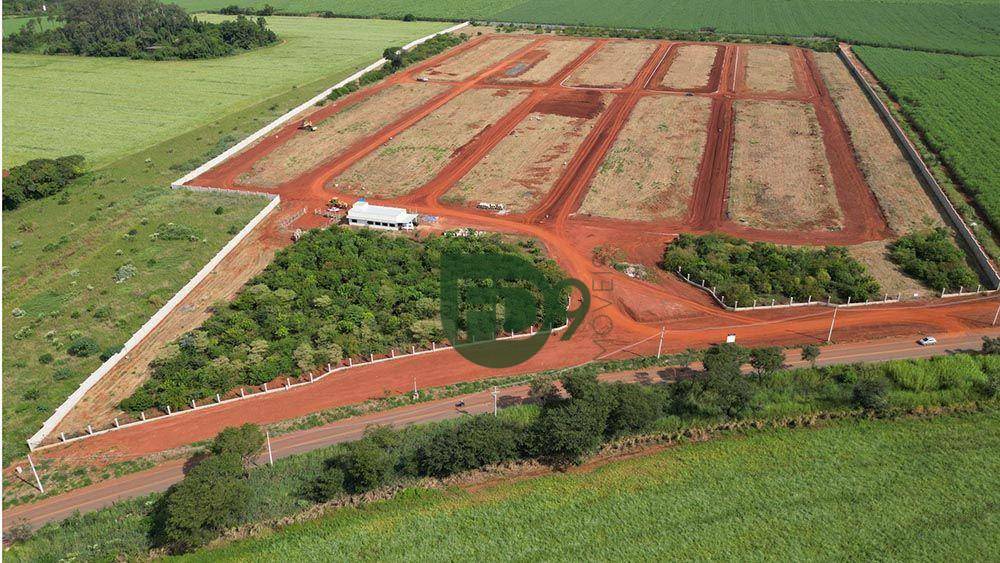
column 243, row 441
column 370, row 462
column 870, row 394
column 472, row 443
column 39, row 178
column 212, row 497
column 810, row 353
column 110, row 351
column 931, row 257
column 83, row 347
column 568, row 430
column 63, row 373
column 635, row 409
column 45, row 359
column 912, row 376
column 767, row 360
column 329, row 484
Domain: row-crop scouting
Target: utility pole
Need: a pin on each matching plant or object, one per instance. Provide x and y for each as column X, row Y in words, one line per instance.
column 496, row 393
column 41, row 489
column 270, row 456
column 996, row 316
column 829, row 335
column 659, row 349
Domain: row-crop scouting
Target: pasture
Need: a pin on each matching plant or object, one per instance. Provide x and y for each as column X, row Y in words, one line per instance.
column 856, row 490
column 948, row 26
column 953, row 102
column 105, row 108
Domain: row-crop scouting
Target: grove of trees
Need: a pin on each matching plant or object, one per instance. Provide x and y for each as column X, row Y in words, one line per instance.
column 744, row 271
column 931, row 257
column 39, row 178
column 334, row 293
column 140, row 29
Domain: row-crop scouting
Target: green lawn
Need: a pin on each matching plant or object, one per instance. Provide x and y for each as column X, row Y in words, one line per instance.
column 60, row 254
column 871, row 490
column 941, row 25
column 105, row 108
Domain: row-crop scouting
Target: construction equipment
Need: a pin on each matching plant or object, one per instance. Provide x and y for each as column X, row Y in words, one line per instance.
column 307, row 125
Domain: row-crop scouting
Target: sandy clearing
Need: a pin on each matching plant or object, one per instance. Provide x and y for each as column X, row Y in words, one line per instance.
column 482, row 56
column 769, row 69
column 649, row 172
column 904, row 201
column 334, row 134
column 613, row 66
column 690, row 68
column 416, row 155
column 875, row 256
column 522, row 168
column 779, row 177
column 541, row 64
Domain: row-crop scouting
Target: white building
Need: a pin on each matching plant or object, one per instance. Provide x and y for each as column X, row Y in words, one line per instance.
column 364, row 214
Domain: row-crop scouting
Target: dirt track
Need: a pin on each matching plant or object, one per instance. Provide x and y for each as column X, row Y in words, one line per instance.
column 624, row 310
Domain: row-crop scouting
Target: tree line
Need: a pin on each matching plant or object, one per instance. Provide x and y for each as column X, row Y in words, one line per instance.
column 333, row 294
column 139, row 29
column 575, row 416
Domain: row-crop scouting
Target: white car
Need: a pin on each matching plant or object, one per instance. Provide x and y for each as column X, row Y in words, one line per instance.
column 927, row 341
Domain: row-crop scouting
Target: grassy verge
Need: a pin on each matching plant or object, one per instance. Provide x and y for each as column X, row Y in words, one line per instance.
column 853, row 490
column 60, row 254
column 783, row 399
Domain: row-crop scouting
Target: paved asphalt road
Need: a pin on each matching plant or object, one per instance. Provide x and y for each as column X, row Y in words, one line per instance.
column 102, row 494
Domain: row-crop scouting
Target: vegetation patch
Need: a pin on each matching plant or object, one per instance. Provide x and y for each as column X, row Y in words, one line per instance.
column 39, row 178
column 139, row 29
column 335, row 293
column 746, row 271
column 932, row 257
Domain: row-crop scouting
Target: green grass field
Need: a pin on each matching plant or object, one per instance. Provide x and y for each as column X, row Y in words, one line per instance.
column 951, row 26
column 871, row 490
column 953, row 102
column 105, row 108
column 60, row 253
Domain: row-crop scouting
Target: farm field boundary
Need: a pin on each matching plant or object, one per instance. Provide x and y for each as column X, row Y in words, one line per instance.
column 969, row 240
column 53, row 421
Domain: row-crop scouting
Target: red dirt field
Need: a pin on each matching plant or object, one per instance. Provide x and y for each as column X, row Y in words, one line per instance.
column 624, row 311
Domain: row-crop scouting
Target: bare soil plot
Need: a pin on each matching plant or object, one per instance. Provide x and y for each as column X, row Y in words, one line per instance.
column 650, row 171
column 875, row 256
column 416, row 155
column 779, row 177
column 690, row 68
column 904, row 201
column 613, row 66
column 308, row 149
column 522, row 168
column 769, row 69
column 541, row 64
column 467, row 63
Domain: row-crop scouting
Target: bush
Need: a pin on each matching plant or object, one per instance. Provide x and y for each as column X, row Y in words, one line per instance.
column 212, row 497
column 63, row 373
column 328, row 485
column 635, row 409
column 370, row 462
column 39, row 178
column 472, row 443
column 870, row 394
column 243, row 441
column 931, row 257
column 45, row 359
column 83, row 347
column 568, row 430
column 110, row 351
column 746, row 271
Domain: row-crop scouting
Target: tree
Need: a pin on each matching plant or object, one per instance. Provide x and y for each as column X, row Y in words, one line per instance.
column 243, row 441
column 212, row 497
column 394, row 55
column 329, row 484
column 810, row 353
column 369, row 463
column 767, row 360
column 725, row 358
column 567, row 431
column 870, row 394
column 470, row 444
column 991, row 345
column 635, row 409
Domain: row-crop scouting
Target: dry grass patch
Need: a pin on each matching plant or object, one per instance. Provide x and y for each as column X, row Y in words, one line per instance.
column 477, row 59
column 524, row 166
column 904, row 201
column 613, row 66
column 875, row 256
column 334, row 134
column 769, row 69
column 650, row 171
column 691, row 68
column 541, row 64
column 416, row 155
column 779, row 177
